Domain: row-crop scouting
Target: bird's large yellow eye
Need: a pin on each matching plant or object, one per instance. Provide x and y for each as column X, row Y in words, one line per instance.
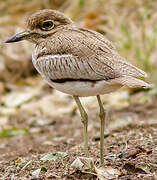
column 47, row 25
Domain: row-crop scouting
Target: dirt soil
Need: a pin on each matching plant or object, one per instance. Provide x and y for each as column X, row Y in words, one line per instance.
column 130, row 149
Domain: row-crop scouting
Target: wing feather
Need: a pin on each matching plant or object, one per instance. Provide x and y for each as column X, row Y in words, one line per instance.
column 102, row 55
column 69, row 66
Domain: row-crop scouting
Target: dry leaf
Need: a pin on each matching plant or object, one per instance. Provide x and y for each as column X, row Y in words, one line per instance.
column 134, row 152
column 107, row 172
column 83, row 163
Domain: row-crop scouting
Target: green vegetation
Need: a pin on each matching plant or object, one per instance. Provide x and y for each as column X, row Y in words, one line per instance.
column 7, row 133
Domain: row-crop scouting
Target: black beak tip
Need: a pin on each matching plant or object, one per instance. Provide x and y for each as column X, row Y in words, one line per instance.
column 7, row 41
column 12, row 39
column 18, row 37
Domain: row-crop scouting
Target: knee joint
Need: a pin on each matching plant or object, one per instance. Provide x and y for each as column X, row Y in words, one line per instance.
column 84, row 118
column 102, row 113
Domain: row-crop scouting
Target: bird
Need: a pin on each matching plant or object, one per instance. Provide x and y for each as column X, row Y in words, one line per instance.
column 79, row 62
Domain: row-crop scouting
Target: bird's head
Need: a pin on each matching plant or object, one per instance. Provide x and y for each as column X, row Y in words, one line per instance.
column 41, row 25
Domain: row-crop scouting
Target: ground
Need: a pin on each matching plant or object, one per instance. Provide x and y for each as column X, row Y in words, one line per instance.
column 130, row 145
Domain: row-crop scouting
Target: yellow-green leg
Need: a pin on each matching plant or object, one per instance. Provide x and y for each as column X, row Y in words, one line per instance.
column 84, row 118
column 102, row 116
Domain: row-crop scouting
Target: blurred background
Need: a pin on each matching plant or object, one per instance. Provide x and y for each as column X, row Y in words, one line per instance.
column 130, row 25
column 28, row 104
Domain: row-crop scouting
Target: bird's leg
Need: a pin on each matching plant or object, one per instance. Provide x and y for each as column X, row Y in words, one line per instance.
column 102, row 116
column 84, row 118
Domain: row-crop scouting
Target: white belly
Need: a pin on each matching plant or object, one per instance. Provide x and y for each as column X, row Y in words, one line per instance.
column 81, row 88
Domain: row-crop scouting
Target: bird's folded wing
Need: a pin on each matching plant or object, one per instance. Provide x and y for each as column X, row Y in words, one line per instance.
column 102, row 55
column 120, row 66
column 69, row 66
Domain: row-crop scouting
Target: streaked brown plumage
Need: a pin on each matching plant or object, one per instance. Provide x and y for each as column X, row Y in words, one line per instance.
column 77, row 61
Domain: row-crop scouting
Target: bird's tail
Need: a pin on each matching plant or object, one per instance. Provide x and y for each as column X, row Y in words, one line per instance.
column 131, row 82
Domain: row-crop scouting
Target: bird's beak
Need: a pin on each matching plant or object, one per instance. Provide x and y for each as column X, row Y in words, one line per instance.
column 19, row 36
